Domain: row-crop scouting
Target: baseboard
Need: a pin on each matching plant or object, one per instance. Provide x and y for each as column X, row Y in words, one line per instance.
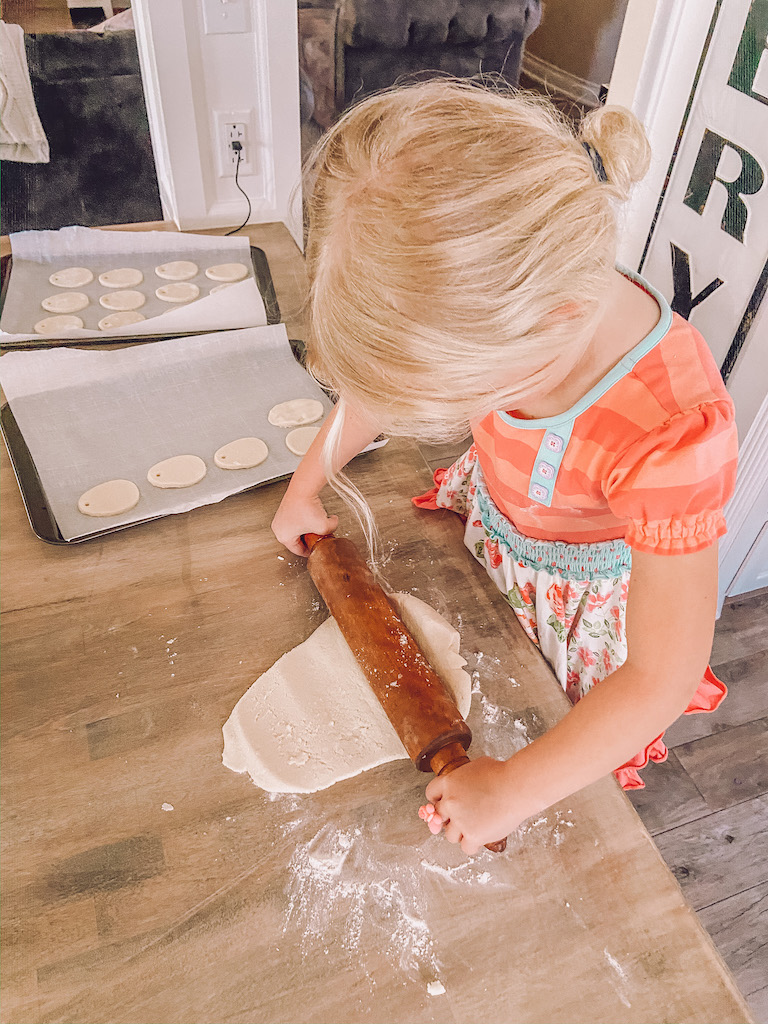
column 554, row 79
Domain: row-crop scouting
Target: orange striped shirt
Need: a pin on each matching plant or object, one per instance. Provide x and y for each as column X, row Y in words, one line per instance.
column 648, row 455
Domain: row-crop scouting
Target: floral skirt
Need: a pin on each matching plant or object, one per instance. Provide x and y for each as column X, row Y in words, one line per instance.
column 571, row 599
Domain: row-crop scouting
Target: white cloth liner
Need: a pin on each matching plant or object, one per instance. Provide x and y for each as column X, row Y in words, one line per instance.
column 239, row 306
column 90, row 416
column 21, row 133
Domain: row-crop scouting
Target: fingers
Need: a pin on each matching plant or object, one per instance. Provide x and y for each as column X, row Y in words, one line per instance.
column 435, row 790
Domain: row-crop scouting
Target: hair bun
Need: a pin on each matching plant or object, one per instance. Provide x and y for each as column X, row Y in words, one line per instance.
column 620, row 140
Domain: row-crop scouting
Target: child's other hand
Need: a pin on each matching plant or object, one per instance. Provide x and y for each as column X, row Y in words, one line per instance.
column 475, row 804
column 297, row 516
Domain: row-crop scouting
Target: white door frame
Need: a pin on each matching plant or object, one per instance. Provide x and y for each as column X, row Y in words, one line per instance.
column 169, row 34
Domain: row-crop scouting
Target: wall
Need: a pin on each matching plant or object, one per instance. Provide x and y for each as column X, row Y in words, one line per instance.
column 574, row 47
column 194, row 80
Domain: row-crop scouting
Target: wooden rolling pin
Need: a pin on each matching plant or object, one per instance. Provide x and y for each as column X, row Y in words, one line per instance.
column 412, row 694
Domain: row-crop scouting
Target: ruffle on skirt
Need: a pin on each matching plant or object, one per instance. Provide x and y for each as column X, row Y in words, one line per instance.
column 578, row 623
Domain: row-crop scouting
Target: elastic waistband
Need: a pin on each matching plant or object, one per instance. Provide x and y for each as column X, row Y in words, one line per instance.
column 604, row 560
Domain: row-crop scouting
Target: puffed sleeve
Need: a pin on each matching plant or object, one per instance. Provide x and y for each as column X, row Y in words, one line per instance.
column 671, row 484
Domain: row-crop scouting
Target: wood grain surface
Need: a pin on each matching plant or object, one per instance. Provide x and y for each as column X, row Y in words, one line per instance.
column 144, row 882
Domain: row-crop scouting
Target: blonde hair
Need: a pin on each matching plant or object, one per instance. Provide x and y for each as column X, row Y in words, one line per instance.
column 460, row 244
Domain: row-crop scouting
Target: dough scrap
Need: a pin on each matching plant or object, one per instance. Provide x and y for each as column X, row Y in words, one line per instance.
column 299, row 440
column 121, row 319
column 244, row 453
column 178, row 471
column 123, row 277
column 229, row 272
column 71, row 277
column 111, row 498
column 296, row 412
column 58, row 324
column 123, row 300
column 184, row 291
column 312, row 719
column 177, row 270
column 65, row 302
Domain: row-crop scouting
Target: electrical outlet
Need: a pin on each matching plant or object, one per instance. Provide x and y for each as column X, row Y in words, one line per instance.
column 234, row 126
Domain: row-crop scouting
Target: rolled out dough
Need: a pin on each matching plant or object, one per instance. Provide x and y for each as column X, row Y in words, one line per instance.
column 312, row 719
column 71, row 277
column 295, row 413
column 299, row 440
column 109, row 499
column 122, row 319
column 122, row 277
column 65, row 302
column 177, row 270
column 244, row 453
column 183, row 291
column 178, row 471
column 58, row 324
column 230, row 272
column 123, row 300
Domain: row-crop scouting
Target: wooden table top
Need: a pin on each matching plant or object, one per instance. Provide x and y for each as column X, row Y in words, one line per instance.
column 144, row 882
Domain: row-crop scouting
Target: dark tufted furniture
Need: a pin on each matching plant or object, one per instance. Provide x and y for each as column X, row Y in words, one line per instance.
column 89, row 96
column 380, row 40
column 353, row 47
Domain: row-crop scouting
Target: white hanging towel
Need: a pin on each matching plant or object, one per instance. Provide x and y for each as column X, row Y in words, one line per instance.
column 21, row 134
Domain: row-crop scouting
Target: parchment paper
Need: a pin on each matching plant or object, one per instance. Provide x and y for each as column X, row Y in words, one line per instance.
column 91, row 416
column 37, row 254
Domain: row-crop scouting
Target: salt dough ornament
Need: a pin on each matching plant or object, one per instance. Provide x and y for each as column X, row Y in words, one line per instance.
column 111, row 498
column 178, row 471
column 123, row 277
column 244, row 453
column 296, row 412
column 184, row 291
column 229, row 272
column 58, row 324
column 122, row 319
column 177, row 270
column 71, row 277
column 221, row 287
column 65, row 302
column 312, row 719
column 123, row 301
column 298, row 441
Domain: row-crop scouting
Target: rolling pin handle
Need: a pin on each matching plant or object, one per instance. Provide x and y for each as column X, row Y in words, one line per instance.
column 311, row 539
column 449, row 759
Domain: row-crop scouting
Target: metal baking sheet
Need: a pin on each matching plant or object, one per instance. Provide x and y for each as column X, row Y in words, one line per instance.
column 36, row 255
column 88, row 416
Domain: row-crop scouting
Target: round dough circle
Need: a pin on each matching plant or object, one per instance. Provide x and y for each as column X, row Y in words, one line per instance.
column 123, row 300
column 121, row 319
column 182, row 292
column 221, row 287
column 228, row 272
column 299, row 440
column 58, row 324
column 178, row 471
column 111, row 498
column 65, row 302
column 295, row 413
column 244, row 453
column 177, row 270
column 71, row 277
column 123, row 277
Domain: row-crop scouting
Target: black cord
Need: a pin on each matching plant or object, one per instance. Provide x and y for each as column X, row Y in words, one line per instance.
column 237, row 182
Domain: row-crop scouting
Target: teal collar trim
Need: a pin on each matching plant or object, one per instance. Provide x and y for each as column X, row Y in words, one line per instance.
column 621, row 369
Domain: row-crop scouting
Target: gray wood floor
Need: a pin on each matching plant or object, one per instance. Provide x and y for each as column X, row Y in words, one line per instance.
column 707, row 805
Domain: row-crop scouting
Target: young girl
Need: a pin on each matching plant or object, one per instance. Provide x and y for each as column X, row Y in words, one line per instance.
column 461, row 256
